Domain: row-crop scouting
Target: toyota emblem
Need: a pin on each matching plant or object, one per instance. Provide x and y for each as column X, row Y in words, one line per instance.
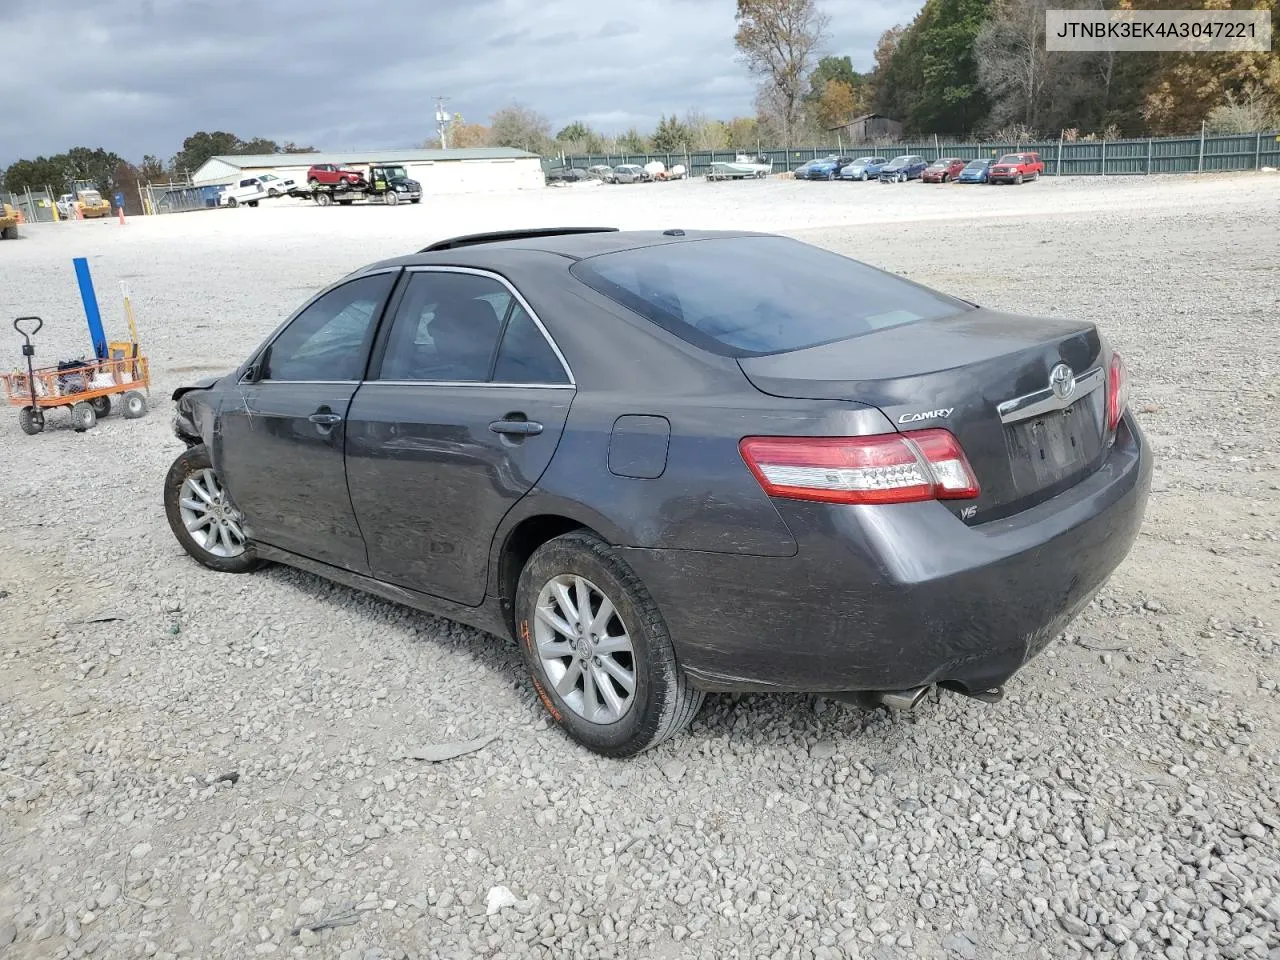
column 1062, row 381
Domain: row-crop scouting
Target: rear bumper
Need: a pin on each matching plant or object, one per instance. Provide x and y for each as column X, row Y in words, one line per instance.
column 893, row 597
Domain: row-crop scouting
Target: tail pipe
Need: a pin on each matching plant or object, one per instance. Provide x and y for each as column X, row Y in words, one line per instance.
column 908, row 699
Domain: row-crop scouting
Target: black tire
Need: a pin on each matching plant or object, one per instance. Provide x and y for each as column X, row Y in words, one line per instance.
column 82, row 417
column 664, row 704
column 31, row 420
column 392, row 198
column 232, row 202
column 1018, row 179
column 133, row 405
column 346, row 203
column 193, row 460
column 313, row 183
column 416, row 200
column 273, row 192
column 9, row 233
column 101, row 406
column 324, row 199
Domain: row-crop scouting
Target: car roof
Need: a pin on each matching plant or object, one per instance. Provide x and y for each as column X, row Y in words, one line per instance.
column 573, row 243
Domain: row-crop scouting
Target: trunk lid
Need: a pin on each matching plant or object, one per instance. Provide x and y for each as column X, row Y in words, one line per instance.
column 983, row 375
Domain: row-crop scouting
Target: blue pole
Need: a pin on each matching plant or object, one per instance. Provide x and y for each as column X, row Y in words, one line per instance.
column 91, row 312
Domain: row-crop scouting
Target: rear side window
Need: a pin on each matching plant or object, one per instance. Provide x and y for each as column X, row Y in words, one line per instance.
column 747, row 296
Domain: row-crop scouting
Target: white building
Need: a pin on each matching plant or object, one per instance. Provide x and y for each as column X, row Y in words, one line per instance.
column 439, row 171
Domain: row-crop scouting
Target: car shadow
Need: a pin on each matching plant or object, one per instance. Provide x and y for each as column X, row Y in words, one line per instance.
column 724, row 718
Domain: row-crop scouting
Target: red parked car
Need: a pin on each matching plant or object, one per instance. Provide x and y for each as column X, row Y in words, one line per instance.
column 943, row 170
column 1016, row 167
column 333, row 174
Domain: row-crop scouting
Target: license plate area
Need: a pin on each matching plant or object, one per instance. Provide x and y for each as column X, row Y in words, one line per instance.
column 1052, row 447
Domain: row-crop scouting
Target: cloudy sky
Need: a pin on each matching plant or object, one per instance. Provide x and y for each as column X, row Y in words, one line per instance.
column 137, row 76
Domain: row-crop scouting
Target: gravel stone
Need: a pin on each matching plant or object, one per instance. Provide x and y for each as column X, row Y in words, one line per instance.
column 1122, row 808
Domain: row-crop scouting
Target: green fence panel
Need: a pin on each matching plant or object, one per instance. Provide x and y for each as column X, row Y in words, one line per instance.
column 1217, row 153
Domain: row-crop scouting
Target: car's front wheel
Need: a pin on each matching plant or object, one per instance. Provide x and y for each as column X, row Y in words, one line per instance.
column 598, row 650
column 203, row 517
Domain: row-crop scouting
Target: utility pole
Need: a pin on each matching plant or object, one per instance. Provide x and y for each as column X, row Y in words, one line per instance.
column 442, row 121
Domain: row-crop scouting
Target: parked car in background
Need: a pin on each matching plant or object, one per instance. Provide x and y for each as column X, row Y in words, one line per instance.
column 1016, row 167
column 568, row 175
column 943, row 170
column 828, row 168
column 631, row 173
column 862, row 168
column 660, row 472
column 601, row 171
column 332, row 175
column 975, row 171
column 903, row 168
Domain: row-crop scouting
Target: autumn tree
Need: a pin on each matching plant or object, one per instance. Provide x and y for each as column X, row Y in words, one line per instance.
column 704, row 132
column 96, row 165
column 837, row 105
column 779, row 40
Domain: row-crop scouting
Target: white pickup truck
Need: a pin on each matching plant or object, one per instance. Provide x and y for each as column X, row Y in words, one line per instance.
column 250, row 190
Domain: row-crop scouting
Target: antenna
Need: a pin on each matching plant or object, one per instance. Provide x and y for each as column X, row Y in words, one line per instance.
column 442, row 121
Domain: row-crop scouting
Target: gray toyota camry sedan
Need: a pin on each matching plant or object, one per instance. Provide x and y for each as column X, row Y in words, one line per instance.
column 675, row 462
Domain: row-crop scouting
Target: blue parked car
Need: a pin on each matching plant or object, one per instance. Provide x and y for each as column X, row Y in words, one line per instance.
column 825, row 169
column 904, row 168
column 975, row 171
column 863, row 168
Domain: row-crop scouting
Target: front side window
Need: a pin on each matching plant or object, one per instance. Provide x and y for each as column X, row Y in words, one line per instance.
column 329, row 339
column 747, row 296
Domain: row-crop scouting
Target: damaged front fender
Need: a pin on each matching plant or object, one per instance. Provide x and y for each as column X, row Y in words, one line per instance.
column 193, row 418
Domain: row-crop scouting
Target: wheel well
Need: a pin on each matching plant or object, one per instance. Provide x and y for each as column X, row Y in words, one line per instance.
column 528, row 535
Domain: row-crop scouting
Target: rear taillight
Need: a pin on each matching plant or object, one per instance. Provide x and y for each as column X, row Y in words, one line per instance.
column 885, row 468
column 1117, row 391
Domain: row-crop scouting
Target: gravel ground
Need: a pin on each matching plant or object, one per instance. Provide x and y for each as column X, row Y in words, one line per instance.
column 207, row 766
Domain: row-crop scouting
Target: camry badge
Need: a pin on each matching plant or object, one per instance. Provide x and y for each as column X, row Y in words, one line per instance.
column 926, row 415
column 1062, row 381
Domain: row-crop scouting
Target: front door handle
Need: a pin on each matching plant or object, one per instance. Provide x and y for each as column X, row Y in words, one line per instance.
column 325, row 419
column 522, row 428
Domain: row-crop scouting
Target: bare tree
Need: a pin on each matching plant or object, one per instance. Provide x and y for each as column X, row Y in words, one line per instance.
column 1012, row 62
column 516, row 125
column 779, row 40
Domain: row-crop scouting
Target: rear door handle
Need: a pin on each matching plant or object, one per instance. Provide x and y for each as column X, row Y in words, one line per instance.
column 523, row 428
column 325, row 419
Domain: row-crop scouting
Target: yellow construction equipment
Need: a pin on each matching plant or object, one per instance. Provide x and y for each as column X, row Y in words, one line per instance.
column 9, row 221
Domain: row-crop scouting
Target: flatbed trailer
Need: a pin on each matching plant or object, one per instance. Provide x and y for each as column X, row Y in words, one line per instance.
column 385, row 184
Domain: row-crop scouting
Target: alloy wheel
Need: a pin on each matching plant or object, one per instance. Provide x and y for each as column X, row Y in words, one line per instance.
column 585, row 649
column 209, row 516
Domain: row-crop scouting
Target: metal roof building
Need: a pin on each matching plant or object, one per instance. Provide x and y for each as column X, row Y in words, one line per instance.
column 439, row 171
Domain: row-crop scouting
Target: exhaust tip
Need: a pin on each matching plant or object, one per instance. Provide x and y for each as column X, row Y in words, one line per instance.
column 902, row 699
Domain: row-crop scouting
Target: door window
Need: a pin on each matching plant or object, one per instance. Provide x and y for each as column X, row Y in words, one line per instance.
column 446, row 328
column 329, row 339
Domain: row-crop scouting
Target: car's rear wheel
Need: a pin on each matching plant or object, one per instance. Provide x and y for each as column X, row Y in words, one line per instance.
column 598, row 650
column 101, row 406
column 232, row 202
column 203, row 517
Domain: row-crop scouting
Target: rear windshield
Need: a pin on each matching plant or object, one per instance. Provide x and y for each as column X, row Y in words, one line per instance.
column 748, row 296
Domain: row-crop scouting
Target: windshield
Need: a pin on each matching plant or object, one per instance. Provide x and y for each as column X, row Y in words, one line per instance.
column 976, row 164
column 268, row 177
column 900, row 160
column 1011, row 158
column 864, row 160
column 395, row 173
column 90, row 196
column 747, row 296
